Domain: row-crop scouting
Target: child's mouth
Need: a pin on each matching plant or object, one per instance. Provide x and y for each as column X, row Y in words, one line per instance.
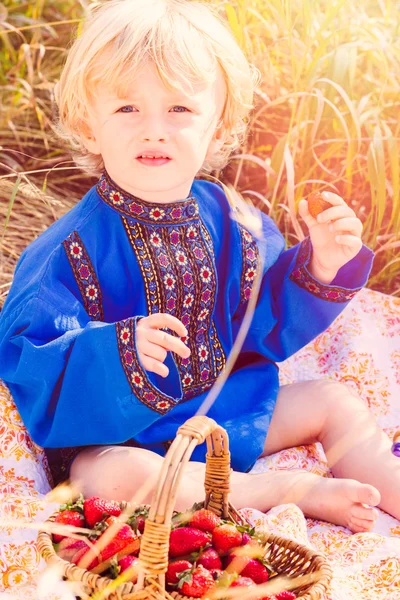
column 153, row 162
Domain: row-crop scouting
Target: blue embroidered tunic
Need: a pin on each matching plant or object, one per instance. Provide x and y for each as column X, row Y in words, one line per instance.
column 67, row 330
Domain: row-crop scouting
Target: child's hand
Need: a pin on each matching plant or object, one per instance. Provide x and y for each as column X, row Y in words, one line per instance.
column 153, row 345
column 335, row 235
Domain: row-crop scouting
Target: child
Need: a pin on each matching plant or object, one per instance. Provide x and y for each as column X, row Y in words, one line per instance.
column 122, row 314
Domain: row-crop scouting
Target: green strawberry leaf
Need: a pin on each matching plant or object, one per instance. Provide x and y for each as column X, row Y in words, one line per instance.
column 185, row 577
column 74, row 505
column 226, row 579
column 141, row 511
column 246, row 529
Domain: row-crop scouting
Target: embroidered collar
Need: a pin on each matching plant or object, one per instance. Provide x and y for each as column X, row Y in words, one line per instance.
column 147, row 212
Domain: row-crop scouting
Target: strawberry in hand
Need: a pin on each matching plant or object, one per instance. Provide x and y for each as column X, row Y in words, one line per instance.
column 335, row 235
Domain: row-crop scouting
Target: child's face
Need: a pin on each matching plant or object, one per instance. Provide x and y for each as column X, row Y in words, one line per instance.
column 154, row 118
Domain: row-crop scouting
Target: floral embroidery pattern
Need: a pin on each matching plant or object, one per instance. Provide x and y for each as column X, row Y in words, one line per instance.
column 141, row 386
column 179, row 276
column 146, row 212
column 250, row 257
column 85, row 276
column 302, row 277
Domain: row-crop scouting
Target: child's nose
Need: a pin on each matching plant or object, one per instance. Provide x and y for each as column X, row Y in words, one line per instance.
column 154, row 130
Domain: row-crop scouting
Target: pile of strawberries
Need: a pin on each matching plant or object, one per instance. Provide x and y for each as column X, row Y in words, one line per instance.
column 205, row 552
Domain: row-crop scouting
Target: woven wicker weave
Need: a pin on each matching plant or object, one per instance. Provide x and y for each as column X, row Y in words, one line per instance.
column 286, row 557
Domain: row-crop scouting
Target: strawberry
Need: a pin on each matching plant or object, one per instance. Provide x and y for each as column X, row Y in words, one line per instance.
column 138, row 518
column 226, row 537
column 205, row 520
column 246, row 539
column 96, row 509
column 247, row 567
column 89, row 562
column 69, row 546
column 317, row 204
column 185, row 540
column 256, row 571
column 68, row 517
column 242, row 582
column 285, row 595
column 124, row 541
column 140, row 523
column 176, row 567
column 196, row 583
column 209, row 559
column 129, row 562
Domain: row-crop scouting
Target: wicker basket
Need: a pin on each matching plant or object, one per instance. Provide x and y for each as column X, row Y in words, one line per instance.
column 286, row 557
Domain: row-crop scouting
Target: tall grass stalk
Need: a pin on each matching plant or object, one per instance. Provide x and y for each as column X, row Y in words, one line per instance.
column 326, row 114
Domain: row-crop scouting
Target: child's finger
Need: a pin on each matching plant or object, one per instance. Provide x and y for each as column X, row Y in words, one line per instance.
column 153, row 365
column 167, row 341
column 305, row 213
column 153, row 350
column 349, row 240
column 333, row 198
column 350, row 225
column 336, row 212
column 165, row 321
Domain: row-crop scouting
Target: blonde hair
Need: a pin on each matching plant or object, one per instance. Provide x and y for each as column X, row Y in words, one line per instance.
column 185, row 40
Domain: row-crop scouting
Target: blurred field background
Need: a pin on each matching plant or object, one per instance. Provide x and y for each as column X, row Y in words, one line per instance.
column 326, row 117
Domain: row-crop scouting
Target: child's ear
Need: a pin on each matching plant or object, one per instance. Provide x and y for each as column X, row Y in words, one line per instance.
column 89, row 141
column 217, row 140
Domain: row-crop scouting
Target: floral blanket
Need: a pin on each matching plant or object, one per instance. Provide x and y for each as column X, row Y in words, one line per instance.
column 361, row 348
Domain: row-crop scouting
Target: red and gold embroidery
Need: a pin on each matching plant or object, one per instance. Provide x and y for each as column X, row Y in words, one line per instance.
column 250, row 260
column 180, row 279
column 130, row 206
column 304, row 279
column 138, row 380
column 85, row 276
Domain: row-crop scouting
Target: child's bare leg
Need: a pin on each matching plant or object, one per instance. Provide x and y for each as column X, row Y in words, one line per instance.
column 124, row 473
column 356, row 448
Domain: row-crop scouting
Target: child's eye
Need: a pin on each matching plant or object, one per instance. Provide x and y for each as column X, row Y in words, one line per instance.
column 129, row 108
column 183, row 107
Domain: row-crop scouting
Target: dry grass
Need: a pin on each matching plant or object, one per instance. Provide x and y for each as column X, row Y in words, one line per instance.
column 326, row 114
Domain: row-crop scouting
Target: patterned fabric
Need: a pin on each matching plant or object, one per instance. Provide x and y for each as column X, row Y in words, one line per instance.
column 250, row 263
column 302, row 277
column 135, row 374
column 85, row 276
column 361, row 348
column 146, row 212
column 180, row 278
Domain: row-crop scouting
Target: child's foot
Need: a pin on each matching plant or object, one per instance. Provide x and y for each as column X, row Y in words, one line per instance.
column 343, row 502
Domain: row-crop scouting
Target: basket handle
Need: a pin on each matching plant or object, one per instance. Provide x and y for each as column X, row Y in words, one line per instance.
column 155, row 540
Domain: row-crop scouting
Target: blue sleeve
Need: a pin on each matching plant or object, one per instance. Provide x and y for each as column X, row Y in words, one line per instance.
column 77, row 383
column 293, row 307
